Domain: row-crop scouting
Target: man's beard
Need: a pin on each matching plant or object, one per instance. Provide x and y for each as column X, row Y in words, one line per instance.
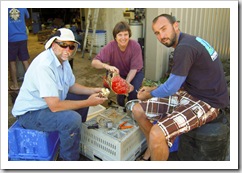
column 172, row 41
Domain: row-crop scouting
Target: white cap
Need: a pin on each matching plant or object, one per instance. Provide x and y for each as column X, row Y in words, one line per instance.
column 62, row 34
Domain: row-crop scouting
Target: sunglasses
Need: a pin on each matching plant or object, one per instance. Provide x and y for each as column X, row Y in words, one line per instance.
column 64, row 45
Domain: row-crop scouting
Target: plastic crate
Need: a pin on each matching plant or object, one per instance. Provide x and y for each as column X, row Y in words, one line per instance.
column 99, row 39
column 96, row 154
column 27, row 144
column 97, row 31
column 112, row 144
column 94, row 111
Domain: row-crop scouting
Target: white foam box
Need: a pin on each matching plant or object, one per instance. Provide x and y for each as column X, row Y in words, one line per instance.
column 112, row 144
column 94, row 111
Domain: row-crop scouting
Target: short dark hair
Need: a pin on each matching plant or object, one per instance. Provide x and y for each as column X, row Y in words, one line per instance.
column 170, row 18
column 121, row 26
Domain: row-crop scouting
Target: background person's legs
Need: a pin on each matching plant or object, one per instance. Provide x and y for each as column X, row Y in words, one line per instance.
column 13, row 74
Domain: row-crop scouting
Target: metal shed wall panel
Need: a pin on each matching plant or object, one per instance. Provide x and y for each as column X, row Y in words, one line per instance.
column 211, row 24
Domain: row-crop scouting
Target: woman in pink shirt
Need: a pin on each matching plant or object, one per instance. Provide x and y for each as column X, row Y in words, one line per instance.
column 123, row 56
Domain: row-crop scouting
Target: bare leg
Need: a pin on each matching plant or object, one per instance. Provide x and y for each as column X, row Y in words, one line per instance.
column 26, row 65
column 157, row 144
column 13, row 73
column 144, row 124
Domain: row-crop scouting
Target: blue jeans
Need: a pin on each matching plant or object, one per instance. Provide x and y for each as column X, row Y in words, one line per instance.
column 137, row 83
column 67, row 123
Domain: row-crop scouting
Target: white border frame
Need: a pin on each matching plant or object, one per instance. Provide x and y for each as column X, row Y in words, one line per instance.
column 232, row 164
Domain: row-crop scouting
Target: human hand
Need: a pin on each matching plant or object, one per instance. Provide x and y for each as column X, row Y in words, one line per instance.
column 95, row 99
column 97, row 90
column 131, row 88
column 144, row 93
column 113, row 69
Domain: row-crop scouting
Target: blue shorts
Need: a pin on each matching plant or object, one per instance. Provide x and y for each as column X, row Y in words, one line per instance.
column 18, row 49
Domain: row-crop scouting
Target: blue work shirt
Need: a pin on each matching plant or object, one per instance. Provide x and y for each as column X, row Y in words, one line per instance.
column 45, row 77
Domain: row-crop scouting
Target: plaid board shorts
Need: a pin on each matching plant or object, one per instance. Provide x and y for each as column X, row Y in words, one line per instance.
column 179, row 113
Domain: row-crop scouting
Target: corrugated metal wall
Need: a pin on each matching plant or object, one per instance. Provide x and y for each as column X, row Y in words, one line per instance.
column 211, row 24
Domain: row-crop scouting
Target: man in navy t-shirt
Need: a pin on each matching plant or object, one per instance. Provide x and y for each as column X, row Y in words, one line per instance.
column 191, row 97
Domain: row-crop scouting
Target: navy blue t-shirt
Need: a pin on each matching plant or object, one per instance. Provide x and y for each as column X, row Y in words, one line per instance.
column 196, row 59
